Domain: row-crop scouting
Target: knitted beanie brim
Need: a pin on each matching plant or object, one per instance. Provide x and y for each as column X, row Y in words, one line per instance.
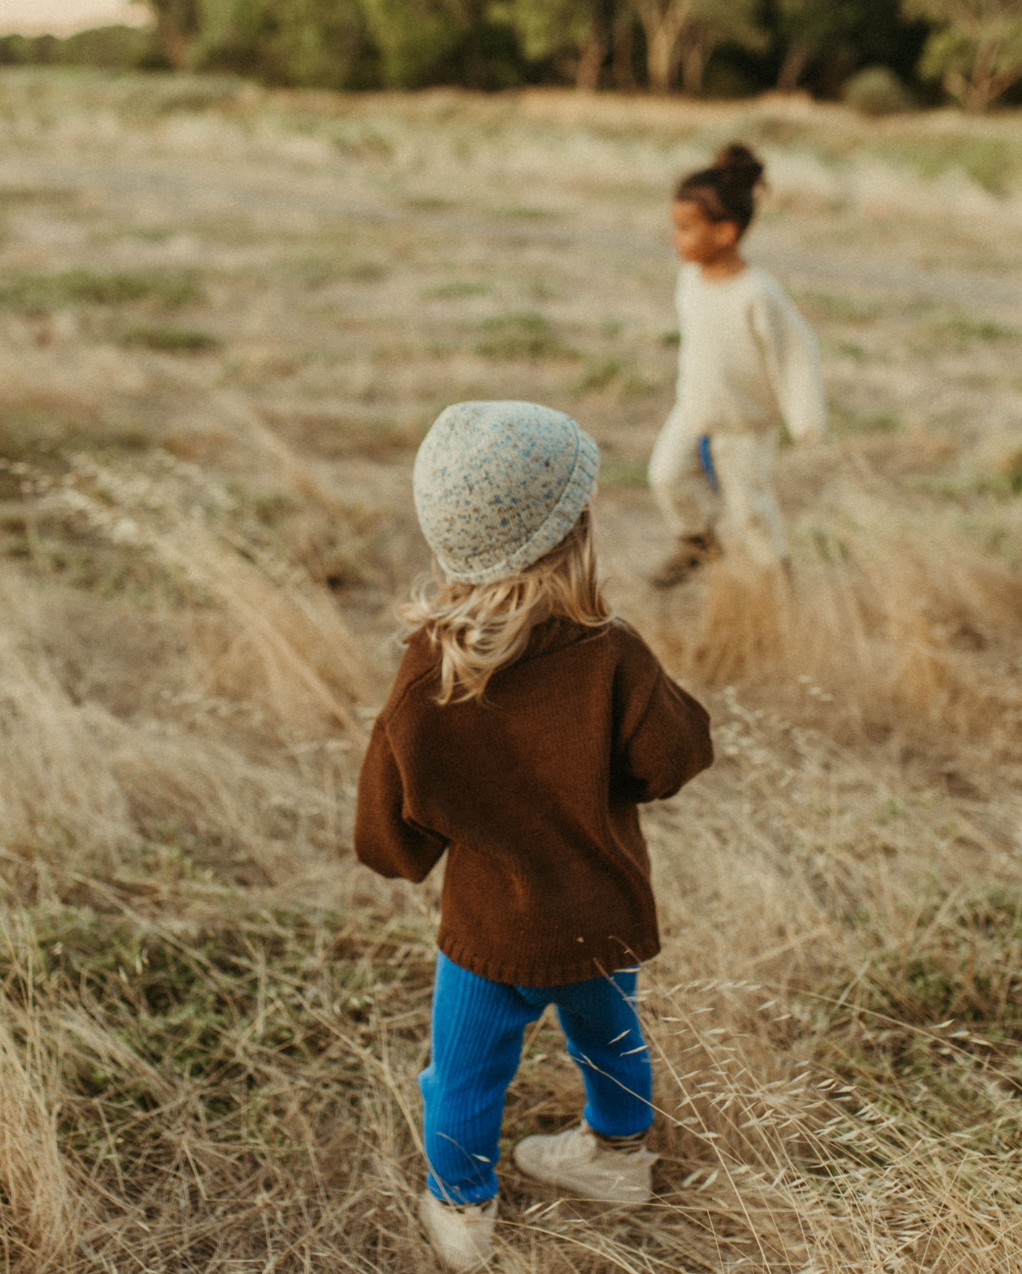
column 481, row 548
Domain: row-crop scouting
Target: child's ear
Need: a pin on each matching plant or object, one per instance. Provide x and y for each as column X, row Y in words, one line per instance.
column 726, row 234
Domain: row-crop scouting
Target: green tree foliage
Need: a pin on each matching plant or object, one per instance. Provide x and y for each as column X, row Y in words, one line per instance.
column 308, row 43
column 416, row 37
column 575, row 34
column 807, row 27
column 115, row 48
column 20, row 50
column 717, row 21
column 683, row 33
column 974, row 47
column 976, row 50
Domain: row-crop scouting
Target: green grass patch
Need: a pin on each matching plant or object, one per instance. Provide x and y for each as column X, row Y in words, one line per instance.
column 849, row 420
column 320, row 269
column 967, row 969
column 935, row 1014
column 623, row 473
column 429, row 203
column 12, row 197
column 38, row 435
column 234, row 1008
column 524, row 212
column 992, row 162
column 42, row 293
column 457, row 289
column 600, row 374
column 850, row 349
column 964, row 331
column 827, row 307
column 60, row 548
column 525, row 334
column 362, row 272
column 171, row 340
column 612, row 373
column 543, row 290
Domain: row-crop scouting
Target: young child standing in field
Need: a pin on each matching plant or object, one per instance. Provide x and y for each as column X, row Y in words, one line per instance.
column 747, row 362
column 524, row 727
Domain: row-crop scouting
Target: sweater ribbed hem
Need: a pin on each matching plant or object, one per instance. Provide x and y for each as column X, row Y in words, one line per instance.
column 608, row 960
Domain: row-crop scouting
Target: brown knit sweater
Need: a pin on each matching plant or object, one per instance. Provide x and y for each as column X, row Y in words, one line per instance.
column 533, row 794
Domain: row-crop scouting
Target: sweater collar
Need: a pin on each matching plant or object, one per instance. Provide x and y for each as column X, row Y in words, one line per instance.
column 556, row 633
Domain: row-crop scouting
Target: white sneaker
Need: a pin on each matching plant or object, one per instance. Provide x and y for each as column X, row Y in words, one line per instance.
column 575, row 1160
column 461, row 1234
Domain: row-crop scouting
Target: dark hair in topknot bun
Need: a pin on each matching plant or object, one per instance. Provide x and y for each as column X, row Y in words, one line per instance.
column 725, row 192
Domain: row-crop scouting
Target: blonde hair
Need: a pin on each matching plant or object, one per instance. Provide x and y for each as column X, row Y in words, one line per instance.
column 481, row 627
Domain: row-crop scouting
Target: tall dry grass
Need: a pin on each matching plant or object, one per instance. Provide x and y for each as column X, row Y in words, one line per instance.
column 212, row 1019
column 889, row 618
column 212, row 1034
column 232, row 718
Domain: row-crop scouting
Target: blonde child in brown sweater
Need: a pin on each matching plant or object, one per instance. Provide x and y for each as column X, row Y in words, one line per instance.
column 524, row 728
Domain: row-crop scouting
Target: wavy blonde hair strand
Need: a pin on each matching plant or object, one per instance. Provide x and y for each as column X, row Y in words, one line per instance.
column 481, row 627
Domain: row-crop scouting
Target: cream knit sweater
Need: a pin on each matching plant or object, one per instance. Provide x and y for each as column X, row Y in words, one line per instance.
column 748, row 360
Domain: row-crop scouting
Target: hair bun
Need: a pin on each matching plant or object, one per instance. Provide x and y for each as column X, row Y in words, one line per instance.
column 740, row 164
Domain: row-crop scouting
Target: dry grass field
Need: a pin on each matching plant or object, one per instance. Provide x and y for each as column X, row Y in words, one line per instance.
column 226, row 318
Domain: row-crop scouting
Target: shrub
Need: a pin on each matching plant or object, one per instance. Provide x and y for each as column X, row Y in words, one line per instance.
column 876, row 90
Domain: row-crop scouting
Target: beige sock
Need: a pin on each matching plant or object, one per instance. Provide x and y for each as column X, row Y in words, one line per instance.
column 633, row 1141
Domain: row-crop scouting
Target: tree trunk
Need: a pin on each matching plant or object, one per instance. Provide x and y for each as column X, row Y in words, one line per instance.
column 986, row 83
column 469, row 16
column 977, row 96
column 624, row 45
column 663, row 28
column 693, row 64
column 175, row 45
column 794, row 64
column 177, row 24
column 660, row 59
column 590, row 63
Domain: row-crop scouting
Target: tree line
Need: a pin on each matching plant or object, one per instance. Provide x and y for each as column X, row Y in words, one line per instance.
column 969, row 51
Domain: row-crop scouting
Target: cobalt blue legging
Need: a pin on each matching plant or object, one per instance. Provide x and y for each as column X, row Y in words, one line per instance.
column 478, row 1027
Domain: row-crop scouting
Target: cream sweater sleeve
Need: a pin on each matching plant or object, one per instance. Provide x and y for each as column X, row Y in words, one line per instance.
column 792, row 358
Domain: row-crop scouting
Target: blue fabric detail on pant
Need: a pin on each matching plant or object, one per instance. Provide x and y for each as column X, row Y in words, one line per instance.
column 706, row 460
column 478, row 1026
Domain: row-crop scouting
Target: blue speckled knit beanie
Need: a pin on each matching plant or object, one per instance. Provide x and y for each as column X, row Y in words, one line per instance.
column 499, row 484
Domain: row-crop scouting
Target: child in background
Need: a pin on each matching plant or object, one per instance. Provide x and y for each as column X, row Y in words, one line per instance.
column 747, row 362
column 524, row 727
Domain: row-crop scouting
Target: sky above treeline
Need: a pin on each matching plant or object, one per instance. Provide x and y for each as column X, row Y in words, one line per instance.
column 64, row 17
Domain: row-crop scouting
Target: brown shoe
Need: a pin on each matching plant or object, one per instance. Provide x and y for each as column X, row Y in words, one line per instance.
column 692, row 552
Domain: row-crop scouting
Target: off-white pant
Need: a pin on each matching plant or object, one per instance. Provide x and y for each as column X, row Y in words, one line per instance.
column 743, row 513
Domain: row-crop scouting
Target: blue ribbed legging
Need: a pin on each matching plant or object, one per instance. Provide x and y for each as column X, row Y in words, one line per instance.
column 478, row 1027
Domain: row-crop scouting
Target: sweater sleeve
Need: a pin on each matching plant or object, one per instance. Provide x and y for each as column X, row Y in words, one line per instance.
column 664, row 734
column 385, row 839
column 792, row 358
